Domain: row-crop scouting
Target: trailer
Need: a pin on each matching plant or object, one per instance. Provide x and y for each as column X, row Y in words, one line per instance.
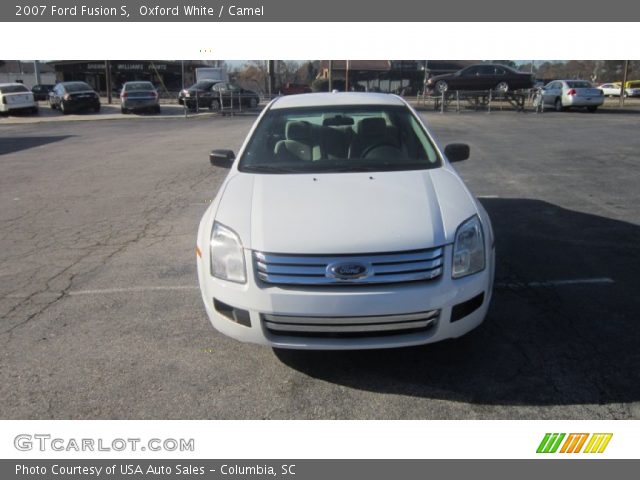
column 218, row 74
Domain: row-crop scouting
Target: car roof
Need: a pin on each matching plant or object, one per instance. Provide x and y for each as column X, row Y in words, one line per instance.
column 336, row 99
column 11, row 83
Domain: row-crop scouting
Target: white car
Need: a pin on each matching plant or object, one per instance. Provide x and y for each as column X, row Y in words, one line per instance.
column 16, row 97
column 564, row 94
column 611, row 89
column 343, row 225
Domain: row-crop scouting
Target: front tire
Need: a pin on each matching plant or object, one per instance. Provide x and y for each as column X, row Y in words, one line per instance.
column 96, row 108
column 253, row 103
column 215, row 105
column 441, row 86
column 502, row 87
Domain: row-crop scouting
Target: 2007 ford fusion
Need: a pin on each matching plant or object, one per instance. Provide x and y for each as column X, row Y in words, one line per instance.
column 342, row 225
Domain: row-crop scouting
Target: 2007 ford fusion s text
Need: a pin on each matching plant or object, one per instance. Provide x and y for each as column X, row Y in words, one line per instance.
column 342, row 225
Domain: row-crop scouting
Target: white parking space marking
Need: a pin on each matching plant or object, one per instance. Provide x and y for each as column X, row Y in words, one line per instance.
column 106, row 291
column 557, row 283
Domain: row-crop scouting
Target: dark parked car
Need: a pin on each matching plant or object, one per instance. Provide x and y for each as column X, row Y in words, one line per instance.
column 484, row 76
column 41, row 92
column 74, row 96
column 209, row 93
column 294, row 88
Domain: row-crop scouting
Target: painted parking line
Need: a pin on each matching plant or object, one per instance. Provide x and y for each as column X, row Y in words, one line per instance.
column 168, row 288
column 556, row 283
column 106, row 291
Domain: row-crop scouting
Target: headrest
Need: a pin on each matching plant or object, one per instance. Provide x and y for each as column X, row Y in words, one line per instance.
column 300, row 131
column 337, row 121
column 370, row 127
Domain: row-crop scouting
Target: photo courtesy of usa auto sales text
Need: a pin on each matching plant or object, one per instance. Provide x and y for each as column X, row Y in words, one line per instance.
column 138, row 469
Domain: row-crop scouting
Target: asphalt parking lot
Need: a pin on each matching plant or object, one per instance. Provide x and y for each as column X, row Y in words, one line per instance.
column 100, row 315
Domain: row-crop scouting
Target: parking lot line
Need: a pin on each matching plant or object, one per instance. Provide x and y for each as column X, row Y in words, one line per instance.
column 134, row 289
column 556, row 283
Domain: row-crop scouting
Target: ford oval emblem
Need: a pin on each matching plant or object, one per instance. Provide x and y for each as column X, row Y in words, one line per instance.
column 348, row 270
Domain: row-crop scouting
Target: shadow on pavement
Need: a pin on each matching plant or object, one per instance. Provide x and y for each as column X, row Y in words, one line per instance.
column 540, row 345
column 15, row 144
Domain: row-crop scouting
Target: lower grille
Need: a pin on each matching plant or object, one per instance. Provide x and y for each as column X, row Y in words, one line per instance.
column 383, row 325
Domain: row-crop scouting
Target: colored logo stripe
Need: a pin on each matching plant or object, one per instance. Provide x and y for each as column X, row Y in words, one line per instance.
column 550, row 442
column 574, row 443
column 598, row 442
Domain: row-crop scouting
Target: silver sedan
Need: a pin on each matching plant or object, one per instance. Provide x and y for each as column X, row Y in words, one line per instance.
column 564, row 94
column 136, row 96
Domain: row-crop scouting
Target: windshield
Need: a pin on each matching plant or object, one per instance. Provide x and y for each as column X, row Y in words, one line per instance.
column 203, row 85
column 579, row 84
column 13, row 88
column 134, row 86
column 76, row 87
column 339, row 139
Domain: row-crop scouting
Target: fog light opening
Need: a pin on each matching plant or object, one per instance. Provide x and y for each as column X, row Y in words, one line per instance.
column 236, row 315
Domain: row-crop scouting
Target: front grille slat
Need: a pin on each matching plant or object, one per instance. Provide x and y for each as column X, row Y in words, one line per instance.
column 381, row 268
column 337, row 327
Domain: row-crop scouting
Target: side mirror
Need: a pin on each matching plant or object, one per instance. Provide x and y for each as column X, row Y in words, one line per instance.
column 222, row 158
column 457, row 152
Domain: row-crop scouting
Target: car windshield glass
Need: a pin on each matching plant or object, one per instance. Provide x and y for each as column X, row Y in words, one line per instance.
column 13, row 89
column 339, row 139
column 579, row 84
column 203, row 85
column 133, row 86
column 76, row 87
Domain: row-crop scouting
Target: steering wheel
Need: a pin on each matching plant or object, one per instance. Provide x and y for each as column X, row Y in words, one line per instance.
column 380, row 150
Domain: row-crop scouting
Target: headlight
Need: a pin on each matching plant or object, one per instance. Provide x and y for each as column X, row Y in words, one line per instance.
column 468, row 249
column 227, row 256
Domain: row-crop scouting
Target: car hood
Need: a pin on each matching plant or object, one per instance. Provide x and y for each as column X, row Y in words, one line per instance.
column 345, row 213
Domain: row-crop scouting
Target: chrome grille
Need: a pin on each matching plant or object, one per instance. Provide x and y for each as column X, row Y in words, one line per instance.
column 410, row 266
column 379, row 325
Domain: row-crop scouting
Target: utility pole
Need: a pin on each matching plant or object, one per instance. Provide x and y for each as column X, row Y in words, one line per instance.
column 346, row 77
column 182, row 72
column 36, row 72
column 107, row 75
column 270, row 73
column 624, row 82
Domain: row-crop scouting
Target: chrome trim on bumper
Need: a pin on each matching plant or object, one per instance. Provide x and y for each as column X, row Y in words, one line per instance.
column 283, row 324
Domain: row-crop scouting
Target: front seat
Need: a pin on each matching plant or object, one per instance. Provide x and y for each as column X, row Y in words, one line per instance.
column 300, row 143
column 371, row 132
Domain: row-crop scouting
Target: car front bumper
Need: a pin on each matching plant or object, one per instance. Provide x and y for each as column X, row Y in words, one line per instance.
column 247, row 311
